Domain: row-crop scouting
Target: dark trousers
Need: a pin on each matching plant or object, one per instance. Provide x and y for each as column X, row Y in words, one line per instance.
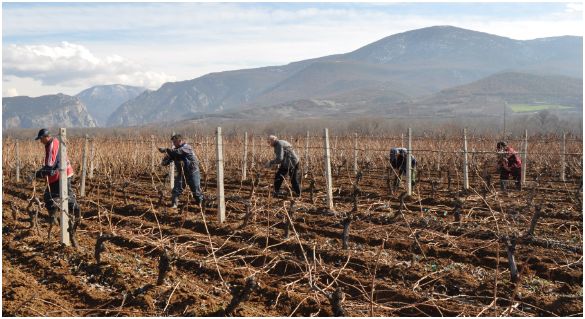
column 515, row 173
column 193, row 179
column 293, row 172
column 52, row 193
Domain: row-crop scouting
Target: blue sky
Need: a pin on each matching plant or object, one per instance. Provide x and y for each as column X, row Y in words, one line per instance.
column 66, row 47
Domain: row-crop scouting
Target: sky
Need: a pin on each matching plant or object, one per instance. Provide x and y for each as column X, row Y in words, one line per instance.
column 50, row 48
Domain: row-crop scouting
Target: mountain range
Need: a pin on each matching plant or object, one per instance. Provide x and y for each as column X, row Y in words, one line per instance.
column 102, row 100
column 434, row 71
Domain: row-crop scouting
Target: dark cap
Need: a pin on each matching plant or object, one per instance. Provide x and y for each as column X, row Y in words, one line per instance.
column 176, row 137
column 501, row 145
column 42, row 132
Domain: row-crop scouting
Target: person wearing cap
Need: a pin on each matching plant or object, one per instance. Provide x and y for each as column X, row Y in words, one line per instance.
column 187, row 166
column 50, row 172
column 509, row 165
column 398, row 162
column 288, row 161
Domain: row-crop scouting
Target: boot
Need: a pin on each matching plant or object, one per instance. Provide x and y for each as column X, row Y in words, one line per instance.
column 174, row 201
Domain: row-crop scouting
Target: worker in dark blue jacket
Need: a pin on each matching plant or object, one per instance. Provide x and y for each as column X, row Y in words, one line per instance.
column 398, row 161
column 187, row 166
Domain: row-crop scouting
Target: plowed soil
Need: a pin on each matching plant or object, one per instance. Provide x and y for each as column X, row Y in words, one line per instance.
column 403, row 260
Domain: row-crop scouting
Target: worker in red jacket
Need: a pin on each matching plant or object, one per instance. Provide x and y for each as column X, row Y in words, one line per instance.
column 509, row 164
column 50, row 172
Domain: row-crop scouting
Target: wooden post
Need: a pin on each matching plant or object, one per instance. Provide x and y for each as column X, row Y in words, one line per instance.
column 524, row 159
column 17, row 163
column 84, row 167
column 465, row 165
column 563, row 150
column 355, row 154
column 152, row 153
column 172, row 170
column 245, row 164
column 307, row 154
column 328, row 170
column 220, row 193
column 409, row 164
column 91, row 156
column 401, row 139
column 63, row 195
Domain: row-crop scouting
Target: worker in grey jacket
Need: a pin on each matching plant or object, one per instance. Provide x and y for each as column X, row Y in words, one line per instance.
column 187, row 166
column 285, row 156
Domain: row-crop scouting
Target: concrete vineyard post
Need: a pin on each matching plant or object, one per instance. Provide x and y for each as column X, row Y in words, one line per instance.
column 524, row 159
column 220, row 193
column 401, row 139
column 152, row 153
column 91, row 156
column 63, row 195
column 253, row 158
column 465, row 164
column 355, row 154
column 307, row 154
column 563, row 151
column 172, row 170
column 328, row 169
column 17, row 162
column 84, row 167
column 409, row 164
column 245, row 161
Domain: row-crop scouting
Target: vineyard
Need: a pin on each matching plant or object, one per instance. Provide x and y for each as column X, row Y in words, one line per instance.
column 441, row 251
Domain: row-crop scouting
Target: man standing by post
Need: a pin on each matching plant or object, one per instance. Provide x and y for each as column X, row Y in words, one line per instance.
column 50, row 171
column 509, row 165
column 187, row 165
column 288, row 160
column 398, row 157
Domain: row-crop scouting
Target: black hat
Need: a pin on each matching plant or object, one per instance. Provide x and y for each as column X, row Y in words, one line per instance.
column 501, row 145
column 176, row 136
column 42, row 132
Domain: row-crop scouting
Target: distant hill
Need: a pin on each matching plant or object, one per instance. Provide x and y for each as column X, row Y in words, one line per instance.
column 102, row 100
column 491, row 94
column 418, row 63
column 58, row 110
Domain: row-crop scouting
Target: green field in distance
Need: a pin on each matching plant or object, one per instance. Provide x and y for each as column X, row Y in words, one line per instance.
column 520, row 108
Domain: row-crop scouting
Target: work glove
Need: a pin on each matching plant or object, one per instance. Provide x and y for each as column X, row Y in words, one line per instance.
column 37, row 174
column 162, row 149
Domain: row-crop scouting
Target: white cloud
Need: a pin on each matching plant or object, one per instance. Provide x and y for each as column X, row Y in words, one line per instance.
column 574, row 7
column 73, row 65
column 187, row 40
column 9, row 92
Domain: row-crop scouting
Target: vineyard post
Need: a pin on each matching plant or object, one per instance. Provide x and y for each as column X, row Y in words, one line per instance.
column 409, row 164
column 220, row 194
column 524, row 159
column 91, row 155
column 328, row 170
column 84, row 167
column 152, row 153
column 465, row 166
column 17, row 163
column 307, row 154
column 172, row 169
column 252, row 159
column 63, row 187
column 563, row 150
column 245, row 164
column 355, row 154
column 207, row 152
column 401, row 139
